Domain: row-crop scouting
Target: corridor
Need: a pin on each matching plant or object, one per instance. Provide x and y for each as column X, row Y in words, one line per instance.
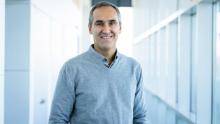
column 177, row 43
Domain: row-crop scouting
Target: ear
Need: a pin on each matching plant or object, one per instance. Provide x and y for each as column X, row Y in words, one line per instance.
column 90, row 29
column 120, row 29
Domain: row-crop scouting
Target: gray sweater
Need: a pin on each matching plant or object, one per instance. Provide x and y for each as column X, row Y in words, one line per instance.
column 89, row 91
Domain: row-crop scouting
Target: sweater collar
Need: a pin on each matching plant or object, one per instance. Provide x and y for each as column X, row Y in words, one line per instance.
column 101, row 58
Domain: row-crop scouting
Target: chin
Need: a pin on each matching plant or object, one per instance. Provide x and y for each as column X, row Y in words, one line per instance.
column 107, row 47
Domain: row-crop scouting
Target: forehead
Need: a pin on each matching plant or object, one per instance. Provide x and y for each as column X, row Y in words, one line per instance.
column 105, row 13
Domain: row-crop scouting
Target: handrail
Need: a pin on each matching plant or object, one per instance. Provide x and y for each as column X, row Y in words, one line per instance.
column 174, row 109
column 163, row 23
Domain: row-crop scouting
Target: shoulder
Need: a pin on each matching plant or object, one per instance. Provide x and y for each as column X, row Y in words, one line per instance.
column 130, row 61
column 72, row 66
column 131, row 65
column 77, row 59
column 75, row 62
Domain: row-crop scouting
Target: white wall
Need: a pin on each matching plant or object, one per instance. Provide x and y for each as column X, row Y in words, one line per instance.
column 52, row 43
column 124, row 43
column 85, row 40
column 2, row 41
column 203, row 63
column 17, row 62
column 216, row 85
column 37, row 43
column 39, row 65
column 54, row 40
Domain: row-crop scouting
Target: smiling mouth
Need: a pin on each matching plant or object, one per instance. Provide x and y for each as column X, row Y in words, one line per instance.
column 106, row 37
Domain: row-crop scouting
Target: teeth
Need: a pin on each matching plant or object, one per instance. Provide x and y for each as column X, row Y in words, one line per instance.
column 106, row 37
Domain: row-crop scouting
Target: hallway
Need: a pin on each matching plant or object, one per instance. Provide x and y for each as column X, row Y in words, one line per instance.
column 177, row 43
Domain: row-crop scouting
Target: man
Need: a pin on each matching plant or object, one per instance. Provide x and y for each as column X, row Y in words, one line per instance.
column 100, row 86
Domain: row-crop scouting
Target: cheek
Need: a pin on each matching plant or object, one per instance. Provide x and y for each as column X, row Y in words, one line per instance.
column 95, row 31
column 117, row 30
column 92, row 30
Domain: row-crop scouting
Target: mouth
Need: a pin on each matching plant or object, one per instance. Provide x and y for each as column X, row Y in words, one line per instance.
column 105, row 37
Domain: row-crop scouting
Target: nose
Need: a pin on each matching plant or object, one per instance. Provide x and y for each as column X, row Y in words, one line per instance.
column 106, row 28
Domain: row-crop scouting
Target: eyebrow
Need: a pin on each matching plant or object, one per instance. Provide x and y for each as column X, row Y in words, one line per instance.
column 111, row 20
column 98, row 21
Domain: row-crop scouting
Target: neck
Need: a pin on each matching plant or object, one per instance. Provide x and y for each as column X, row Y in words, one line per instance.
column 108, row 54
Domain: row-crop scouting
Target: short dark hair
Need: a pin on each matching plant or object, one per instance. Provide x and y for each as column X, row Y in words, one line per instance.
column 101, row 4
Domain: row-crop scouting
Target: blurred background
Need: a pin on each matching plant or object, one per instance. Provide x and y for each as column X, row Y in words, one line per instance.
column 177, row 43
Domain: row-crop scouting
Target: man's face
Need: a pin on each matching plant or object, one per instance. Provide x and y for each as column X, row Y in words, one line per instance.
column 105, row 28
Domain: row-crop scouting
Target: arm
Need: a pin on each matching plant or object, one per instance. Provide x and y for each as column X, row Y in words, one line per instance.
column 63, row 101
column 140, row 109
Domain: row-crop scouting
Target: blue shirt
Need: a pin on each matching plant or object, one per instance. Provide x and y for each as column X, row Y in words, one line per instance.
column 90, row 91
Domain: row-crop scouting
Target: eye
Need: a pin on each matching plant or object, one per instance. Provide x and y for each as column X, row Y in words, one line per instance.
column 113, row 22
column 99, row 23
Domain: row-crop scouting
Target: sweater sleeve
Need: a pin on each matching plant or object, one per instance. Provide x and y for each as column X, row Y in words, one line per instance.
column 140, row 109
column 64, row 98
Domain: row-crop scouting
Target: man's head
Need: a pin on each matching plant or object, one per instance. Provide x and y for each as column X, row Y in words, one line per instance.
column 103, row 4
column 105, row 25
